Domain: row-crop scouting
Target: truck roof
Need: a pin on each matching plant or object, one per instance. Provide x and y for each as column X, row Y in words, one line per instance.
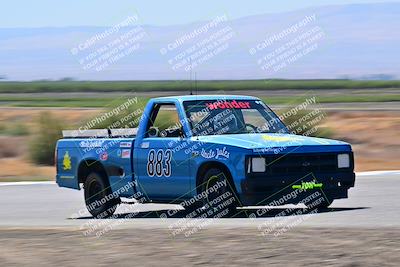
column 204, row 97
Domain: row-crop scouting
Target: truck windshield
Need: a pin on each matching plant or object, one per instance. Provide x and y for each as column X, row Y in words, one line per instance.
column 216, row 117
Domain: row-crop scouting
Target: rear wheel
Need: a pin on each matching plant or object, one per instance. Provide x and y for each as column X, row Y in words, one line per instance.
column 99, row 199
column 219, row 198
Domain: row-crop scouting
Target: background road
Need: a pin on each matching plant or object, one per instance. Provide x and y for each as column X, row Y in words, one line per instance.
column 373, row 202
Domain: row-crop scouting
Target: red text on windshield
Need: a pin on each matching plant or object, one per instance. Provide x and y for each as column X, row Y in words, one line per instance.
column 229, row 105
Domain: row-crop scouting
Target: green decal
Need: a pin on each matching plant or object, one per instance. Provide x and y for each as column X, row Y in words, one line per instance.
column 307, row 185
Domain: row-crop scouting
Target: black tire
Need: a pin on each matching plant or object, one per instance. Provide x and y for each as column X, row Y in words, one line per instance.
column 98, row 196
column 221, row 202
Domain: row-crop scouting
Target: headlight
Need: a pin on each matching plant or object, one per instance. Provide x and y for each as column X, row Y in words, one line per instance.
column 258, row 165
column 343, row 161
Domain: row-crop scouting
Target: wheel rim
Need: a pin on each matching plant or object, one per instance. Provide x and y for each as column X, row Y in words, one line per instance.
column 210, row 183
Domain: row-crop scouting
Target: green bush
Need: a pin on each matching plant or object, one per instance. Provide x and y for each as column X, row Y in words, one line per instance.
column 18, row 129
column 14, row 129
column 2, row 128
column 43, row 143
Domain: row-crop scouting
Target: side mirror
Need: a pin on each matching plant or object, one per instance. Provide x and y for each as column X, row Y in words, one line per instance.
column 153, row 132
column 181, row 134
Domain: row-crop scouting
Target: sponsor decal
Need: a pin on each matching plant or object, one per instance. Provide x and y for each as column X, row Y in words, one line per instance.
column 91, row 143
column 126, row 153
column 217, row 153
column 145, row 145
column 104, row 156
column 293, row 138
column 222, row 153
column 67, row 176
column 229, row 105
column 125, row 144
column 307, row 185
column 67, row 161
column 208, row 155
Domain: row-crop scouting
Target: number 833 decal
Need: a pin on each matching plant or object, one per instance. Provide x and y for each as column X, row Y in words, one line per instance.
column 159, row 163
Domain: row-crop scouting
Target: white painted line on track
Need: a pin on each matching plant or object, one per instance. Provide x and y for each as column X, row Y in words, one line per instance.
column 27, row 183
column 374, row 173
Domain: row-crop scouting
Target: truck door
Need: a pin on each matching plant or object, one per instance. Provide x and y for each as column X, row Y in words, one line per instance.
column 162, row 164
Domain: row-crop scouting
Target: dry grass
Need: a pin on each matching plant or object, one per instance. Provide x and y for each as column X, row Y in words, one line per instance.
column 9, row 147
column 29, row 116
column 20, row 169
column 373, row 135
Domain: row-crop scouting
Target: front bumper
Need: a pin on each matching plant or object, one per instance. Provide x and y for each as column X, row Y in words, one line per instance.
column 262, row 189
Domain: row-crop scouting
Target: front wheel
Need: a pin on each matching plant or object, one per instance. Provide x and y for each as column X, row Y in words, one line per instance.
column 218, row 196
column 99, row 199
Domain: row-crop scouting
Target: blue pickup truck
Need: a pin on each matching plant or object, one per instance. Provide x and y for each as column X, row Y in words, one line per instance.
column 197, row 151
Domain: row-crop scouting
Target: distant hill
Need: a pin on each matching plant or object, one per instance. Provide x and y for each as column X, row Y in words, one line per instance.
column 357, row 40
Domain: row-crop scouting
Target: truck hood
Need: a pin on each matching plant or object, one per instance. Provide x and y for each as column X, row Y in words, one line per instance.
column 271, row 141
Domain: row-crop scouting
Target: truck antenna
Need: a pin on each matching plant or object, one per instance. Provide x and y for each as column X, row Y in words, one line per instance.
column 190, row 62
column 195, row 87
column 195, row 82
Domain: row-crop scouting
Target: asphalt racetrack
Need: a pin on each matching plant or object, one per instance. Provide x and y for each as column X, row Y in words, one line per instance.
column 373, row 202
column 38, row 228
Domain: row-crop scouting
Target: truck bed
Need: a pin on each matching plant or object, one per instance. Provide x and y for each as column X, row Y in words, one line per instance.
column 111, row 149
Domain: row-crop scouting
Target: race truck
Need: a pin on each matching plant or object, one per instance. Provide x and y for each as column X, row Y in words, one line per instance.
column 203, row 152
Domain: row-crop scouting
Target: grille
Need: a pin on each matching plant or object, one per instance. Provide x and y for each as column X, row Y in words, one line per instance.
column 301, row 163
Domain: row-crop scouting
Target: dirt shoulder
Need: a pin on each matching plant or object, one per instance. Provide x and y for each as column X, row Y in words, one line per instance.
column 374, row 136
column 217, row 247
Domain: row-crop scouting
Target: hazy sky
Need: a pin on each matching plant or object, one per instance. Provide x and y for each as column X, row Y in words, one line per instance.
column 38, row 13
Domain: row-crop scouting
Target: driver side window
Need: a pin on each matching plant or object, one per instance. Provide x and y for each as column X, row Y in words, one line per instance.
column 165, row 122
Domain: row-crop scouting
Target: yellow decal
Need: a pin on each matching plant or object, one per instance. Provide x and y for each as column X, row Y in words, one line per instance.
column 67, row 161
column 278, row 138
